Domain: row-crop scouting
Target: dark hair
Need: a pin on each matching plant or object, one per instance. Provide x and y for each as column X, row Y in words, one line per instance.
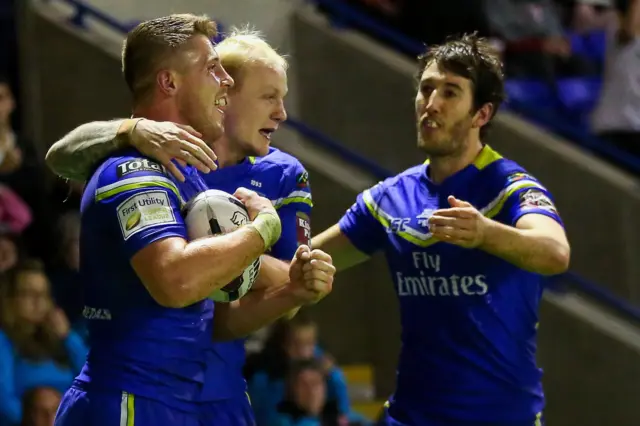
column 149, row 44
column 41, row 345
column 473, row 58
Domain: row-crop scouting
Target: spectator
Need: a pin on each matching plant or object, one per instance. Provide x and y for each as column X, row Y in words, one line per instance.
column 9, row 252
column 20, row 169
column 39, row 406
column 65, row 273
column 305, row 402
column 291, row 341
column 617, row 116
column 534, row 38
column 15, row 215
column 37, row 346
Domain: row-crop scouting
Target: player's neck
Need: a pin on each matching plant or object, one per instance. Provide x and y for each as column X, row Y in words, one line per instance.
column 227, row 156
column 440, row 168
column 159, row 111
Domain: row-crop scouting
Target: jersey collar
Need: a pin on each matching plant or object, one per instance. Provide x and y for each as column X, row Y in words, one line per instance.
column 486, row 157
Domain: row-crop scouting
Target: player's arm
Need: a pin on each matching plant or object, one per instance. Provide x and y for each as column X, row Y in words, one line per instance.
column 529, row 235
column 537, row 243
column 76, row 154
column 309, row 278
column 358, row 234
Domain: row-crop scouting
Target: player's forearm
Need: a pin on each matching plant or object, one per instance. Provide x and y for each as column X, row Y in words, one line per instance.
column 74, row 155
column 344, row 254
column 529, row 249
column 208, row 264
column 254, row 311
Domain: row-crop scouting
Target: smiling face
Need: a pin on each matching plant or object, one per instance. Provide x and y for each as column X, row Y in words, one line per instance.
column 201, row 88
column 256, row 107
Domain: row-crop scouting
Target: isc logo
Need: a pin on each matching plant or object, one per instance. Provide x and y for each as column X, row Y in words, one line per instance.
column 138, row 165
column 398, row 224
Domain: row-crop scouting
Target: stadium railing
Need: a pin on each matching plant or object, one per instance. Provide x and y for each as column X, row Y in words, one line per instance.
column 562, row 282
column 343, row 15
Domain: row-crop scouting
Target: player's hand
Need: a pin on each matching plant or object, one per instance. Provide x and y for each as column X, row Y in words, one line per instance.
column 254, row 203
column 462, row 224
column 311, row 275
column 164, row 141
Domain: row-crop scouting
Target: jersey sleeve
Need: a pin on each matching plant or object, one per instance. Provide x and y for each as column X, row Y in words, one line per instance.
column 361, row 223
column 139, row 204
column 294, row 208
column 525, row 195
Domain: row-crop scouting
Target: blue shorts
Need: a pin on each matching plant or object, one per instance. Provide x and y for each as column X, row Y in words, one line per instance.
column 228, row 412
column 92, row 408
column 387, row 420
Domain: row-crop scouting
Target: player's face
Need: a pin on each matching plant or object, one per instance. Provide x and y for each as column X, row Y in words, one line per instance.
column 301, row 343
column 444, row 112
column 256, row 108
column 202, row 88
column 33, row 300
column 309, row 391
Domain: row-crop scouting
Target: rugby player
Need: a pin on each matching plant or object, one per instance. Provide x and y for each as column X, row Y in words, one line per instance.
column 254, row 112
column 152, row 341
column 468, row 236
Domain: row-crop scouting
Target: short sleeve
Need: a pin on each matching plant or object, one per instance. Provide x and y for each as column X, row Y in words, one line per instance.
column 294, row 209
column 526, row 195
column 360, row 224
column 140, row 207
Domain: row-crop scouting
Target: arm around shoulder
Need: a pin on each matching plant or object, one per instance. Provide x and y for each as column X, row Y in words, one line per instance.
column 73, row 156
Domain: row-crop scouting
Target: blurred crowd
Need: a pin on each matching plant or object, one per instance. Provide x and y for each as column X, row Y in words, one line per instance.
column 568, row 62
column 42, row 335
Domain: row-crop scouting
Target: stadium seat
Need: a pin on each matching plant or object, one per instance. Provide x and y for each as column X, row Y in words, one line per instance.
column 578, row 96
column 529, row 93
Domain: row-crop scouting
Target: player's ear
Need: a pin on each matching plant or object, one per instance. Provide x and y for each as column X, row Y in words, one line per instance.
column 168, row 82
column 482, row 116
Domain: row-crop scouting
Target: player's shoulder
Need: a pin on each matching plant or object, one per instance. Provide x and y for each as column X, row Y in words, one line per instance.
column 129, row 171
column 503, row 171
column 292, row 173
column 408, row 177
column 280, row 160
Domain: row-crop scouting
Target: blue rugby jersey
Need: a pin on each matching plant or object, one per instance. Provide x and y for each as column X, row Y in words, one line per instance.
column 469, row 319
column 136, row 345
column 281, row 178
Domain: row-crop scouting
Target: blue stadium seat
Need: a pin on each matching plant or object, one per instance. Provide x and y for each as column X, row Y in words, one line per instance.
column 529, row 93
column 578, row 95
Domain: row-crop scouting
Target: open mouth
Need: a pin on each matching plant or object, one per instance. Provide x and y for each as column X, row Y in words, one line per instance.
column 429, row 124
column 221, row 103
column 266, row 133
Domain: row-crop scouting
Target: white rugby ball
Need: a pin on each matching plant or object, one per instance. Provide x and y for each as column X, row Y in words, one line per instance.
column 214, row 212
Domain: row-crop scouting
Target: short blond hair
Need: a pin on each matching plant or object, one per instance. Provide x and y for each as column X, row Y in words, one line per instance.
column 244, row 46
column 149, row 45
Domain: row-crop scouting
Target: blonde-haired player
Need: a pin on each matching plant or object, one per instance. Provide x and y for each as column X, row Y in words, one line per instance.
column 245, row 158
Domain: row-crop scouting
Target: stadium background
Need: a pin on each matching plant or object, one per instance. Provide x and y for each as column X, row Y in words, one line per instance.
column 351, row 124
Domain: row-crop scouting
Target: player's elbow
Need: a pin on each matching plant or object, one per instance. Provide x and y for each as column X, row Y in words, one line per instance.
column 557, row 259
column 171, row 290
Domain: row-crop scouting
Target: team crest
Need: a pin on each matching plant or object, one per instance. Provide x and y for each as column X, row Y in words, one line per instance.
column 239, row 218
column 302, row 180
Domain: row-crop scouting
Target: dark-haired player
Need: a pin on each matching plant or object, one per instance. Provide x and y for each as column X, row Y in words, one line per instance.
column 468, row 236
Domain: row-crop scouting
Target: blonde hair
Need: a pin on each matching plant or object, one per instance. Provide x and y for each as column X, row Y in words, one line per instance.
column 152, row 42
column 244, row 46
